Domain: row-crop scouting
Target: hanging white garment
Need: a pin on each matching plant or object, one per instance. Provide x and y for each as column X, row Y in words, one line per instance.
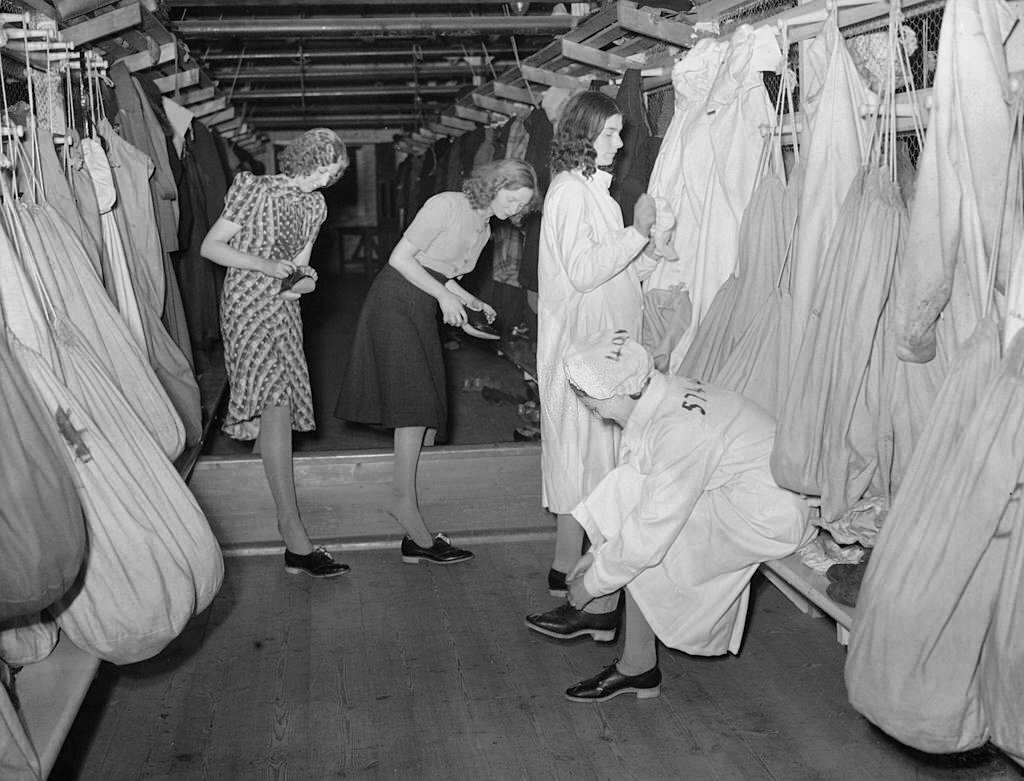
column 678, row 176
column 136, row 221
column 589, row 280
column 736, row 110
column 962, row 173
column 153, row 561
column 118, row 278
column 831, row 95
column 690, row 512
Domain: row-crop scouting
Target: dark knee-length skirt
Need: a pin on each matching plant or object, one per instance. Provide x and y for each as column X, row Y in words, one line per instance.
column 395, row 376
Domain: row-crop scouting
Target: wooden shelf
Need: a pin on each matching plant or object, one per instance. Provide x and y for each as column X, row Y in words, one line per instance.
column 805, row 588
column 49, row 694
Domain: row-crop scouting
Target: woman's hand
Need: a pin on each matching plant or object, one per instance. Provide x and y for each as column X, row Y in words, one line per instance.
column 645, row 212
column 479, row 306
column 278, row 269
column 451, row 308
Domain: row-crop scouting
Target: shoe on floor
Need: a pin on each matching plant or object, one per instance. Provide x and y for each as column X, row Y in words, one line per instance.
column 556, row 584
column 476, row 325
column 441, row 552
column 845, row 592
column 611, row 683
column 318, row 564
column 566, row 622
column 842, row 571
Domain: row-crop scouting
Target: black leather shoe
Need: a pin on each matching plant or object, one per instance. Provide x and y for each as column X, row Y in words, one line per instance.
column 566, row 622
column 611, row 683
column 476, row 325
column 556, row 584
column 441, row 552
column 839, row 573
column 318, row 564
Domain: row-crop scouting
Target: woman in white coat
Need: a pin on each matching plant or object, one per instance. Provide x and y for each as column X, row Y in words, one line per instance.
column 589, row 272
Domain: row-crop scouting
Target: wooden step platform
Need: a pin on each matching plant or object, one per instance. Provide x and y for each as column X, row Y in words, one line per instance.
column 468, row 489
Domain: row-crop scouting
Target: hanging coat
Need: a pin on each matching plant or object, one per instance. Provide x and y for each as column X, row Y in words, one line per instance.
column 690, row 512
column 962, row 174
column 589, row 281
column 679, row 175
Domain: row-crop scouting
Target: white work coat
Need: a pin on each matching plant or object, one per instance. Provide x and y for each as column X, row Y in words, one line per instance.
column 587, row 282
column 690, row 512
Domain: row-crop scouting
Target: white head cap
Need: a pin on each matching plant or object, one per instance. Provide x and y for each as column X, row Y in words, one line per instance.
column 608, row 363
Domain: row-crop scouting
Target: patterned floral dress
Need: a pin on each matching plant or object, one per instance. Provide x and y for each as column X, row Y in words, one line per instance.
column 263, row 331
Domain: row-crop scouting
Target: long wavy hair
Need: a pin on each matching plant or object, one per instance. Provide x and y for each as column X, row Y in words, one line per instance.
column 314, row 148
column 483, row 183
column 581, row 122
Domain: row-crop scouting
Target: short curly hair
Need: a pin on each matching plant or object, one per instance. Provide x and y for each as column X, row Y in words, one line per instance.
column 507, row 174
column 314, row 148
column 581, row 122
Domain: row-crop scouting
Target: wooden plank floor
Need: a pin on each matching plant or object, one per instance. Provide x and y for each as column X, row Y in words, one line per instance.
column 423, row 672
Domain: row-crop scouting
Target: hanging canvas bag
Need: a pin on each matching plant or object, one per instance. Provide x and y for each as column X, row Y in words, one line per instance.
column 41, row 524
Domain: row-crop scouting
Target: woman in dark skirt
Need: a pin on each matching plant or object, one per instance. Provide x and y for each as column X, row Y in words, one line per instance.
column 395, row 377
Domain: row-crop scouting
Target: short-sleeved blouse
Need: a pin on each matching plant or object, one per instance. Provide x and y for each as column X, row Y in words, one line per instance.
column 449, row 234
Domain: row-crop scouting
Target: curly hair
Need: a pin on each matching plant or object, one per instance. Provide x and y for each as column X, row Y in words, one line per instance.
column 311, row 150
column 507, row 174
column 579, row 125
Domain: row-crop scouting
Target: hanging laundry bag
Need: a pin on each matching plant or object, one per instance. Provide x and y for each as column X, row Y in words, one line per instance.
column 27, row 639
column 827, row 437
column 41, row 524
column 18, row 758
column 762, row 247
column 61, row 273
column 927, row 599
column 153, row 561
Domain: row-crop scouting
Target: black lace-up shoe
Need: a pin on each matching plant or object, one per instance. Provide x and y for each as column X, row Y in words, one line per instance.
column 319, row 564
column 441, row 552
column 556, row 583
column 566, row 622
column 611, row 683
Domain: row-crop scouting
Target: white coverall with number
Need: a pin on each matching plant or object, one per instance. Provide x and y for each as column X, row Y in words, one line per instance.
column 689, row 513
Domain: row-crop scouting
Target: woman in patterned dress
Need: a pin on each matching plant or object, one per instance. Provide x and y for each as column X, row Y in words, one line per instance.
column 264, row 234
column 395, row 377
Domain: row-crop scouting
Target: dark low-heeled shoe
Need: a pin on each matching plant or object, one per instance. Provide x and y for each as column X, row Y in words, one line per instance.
column 556, row 583
column 611, row 683
column 566, row 622
column 476, row 325
column 318, row 564
column 441, row 552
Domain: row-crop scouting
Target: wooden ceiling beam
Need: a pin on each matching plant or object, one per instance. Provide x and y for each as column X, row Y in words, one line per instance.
column 458, row 124
column 346, row 92
column 375, row 120
column 376, row 27
column 596, row 58
column 552, row 79
column 196, row 95
column 517, row 94
column 650, row 23
column 500, row 106
column 376, row 71
column 464, row 112
column 103, row 26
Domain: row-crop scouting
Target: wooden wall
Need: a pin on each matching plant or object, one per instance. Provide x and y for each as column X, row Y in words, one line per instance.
column 477, row 489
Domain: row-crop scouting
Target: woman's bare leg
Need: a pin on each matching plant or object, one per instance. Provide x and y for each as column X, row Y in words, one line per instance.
column 275, row 448
column 568, row 543
column 640, row 645
column 404, row 505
